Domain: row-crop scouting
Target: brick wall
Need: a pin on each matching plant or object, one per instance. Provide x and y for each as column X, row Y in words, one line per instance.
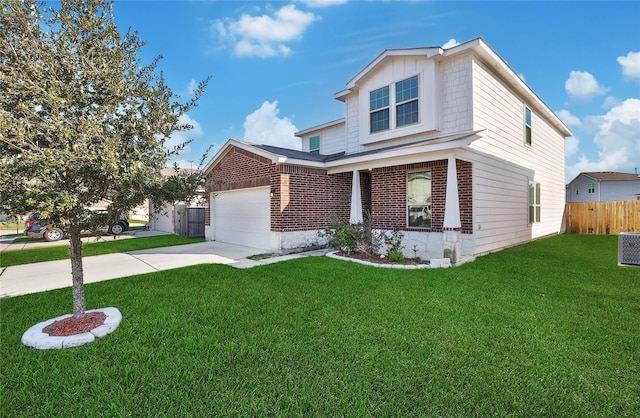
column 307, row 198
column 388, row 195
column 303, row 198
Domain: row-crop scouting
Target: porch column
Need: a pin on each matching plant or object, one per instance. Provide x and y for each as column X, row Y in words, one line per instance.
column 452, row 245
column 452, row 205
column 356, row 199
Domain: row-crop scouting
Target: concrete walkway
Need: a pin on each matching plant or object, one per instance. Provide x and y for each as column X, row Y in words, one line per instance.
column 40, row 277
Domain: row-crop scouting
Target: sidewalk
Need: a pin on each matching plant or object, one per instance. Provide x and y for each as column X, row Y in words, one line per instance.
column 7, row 241
column 49, row 275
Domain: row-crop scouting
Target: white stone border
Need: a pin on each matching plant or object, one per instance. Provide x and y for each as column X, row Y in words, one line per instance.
column 334, row 254
column 35, row 338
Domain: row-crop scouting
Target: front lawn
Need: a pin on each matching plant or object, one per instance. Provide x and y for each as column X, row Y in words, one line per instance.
column 544, row 329
column 61, row 252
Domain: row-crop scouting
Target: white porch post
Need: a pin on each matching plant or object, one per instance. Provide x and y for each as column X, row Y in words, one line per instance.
column 356, row 199
column 451, row 238
column 452, row 206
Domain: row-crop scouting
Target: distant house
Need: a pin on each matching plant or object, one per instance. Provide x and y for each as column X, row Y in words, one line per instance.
column 171, row 217
column 603, row 187
column 449, row 146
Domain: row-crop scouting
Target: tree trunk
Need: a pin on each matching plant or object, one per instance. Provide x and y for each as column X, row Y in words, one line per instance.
column 77, row 275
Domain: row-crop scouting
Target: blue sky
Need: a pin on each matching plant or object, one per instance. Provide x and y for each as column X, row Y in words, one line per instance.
column 276, row 65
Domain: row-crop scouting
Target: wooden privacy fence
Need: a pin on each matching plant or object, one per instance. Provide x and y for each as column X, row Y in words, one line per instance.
column 603, row 217
column 189, row 222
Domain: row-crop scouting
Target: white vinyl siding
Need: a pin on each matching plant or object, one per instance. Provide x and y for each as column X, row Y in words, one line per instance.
column 332, row 139
column 499, row 112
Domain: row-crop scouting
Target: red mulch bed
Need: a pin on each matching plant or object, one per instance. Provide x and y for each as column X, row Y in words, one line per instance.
column 381, row 260
column 72, row 326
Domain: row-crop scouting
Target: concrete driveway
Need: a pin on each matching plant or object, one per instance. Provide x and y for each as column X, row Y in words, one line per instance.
column 40, row 277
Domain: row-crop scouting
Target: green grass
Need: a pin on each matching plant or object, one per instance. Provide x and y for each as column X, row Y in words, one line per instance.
column 544, row 329
column 61, row 252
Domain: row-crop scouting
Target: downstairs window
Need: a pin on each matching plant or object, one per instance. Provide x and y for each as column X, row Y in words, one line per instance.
column 419, row 199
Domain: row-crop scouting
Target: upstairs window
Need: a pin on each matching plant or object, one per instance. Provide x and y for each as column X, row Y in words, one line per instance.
column 379, row 109
column 314, row 145
column 419, row 199
column 577, row 189
column 527, row 126
column 534, row 202
column 591, row 188
column 407, row 101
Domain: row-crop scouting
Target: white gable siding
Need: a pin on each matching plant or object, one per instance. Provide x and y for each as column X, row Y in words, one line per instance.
column 331, row 139
column 446, row 103
column 501, row 113
column 582, row 183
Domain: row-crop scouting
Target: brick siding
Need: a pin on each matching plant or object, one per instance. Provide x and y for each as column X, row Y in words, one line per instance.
column 388, row 195
column 307, row 198
column 302, row 198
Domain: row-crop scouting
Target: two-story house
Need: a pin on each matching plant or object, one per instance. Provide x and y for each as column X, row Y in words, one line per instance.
column 449, row 146
column 603, row 186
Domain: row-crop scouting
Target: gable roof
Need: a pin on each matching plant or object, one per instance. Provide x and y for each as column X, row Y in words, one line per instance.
column 481, row 50
column 298, row 155
column 333, row 162
column 608, row 176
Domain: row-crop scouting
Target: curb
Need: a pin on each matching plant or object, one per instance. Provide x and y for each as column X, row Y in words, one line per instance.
column 35, row 338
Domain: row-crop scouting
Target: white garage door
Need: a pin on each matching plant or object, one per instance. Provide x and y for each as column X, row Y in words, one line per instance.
column 243, row 217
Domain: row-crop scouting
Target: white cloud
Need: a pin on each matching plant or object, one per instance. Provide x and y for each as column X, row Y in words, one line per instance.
column 450, row 44
column 616, row 139
column 180, row 137
column 266, row 35
column 323, row 3
column 191, row 88
column 568, row 118
column 630, row 65
column 610, row 102
column 265, row 127
column 571, row 146
column 582, row 86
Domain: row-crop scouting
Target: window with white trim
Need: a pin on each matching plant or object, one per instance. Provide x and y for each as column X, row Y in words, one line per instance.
column 407, row 101
column 314, row 145
column 527, row 126
column 591, row 188
column 419, row 199
column 534, row 202
column 379, row 109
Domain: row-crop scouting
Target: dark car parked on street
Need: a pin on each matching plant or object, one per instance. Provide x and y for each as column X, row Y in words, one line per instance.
column 36, row 227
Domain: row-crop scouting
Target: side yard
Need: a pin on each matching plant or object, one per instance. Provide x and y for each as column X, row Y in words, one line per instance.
column 549, row 328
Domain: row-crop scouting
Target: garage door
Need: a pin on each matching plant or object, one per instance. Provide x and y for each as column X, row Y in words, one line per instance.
column 243, row 217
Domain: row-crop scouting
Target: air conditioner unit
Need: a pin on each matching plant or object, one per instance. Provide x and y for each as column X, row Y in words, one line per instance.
column 629, row 248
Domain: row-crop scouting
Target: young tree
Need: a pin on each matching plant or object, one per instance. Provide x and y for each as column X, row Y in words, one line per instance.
column 82, row 120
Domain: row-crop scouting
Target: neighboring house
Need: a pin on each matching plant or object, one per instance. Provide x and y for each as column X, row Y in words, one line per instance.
column 171, row 217
column 449, row 146
column 603, row 187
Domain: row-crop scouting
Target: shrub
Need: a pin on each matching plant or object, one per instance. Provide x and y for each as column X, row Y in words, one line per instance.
column 360, row 237
column 339, row 234
column 396, row 256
